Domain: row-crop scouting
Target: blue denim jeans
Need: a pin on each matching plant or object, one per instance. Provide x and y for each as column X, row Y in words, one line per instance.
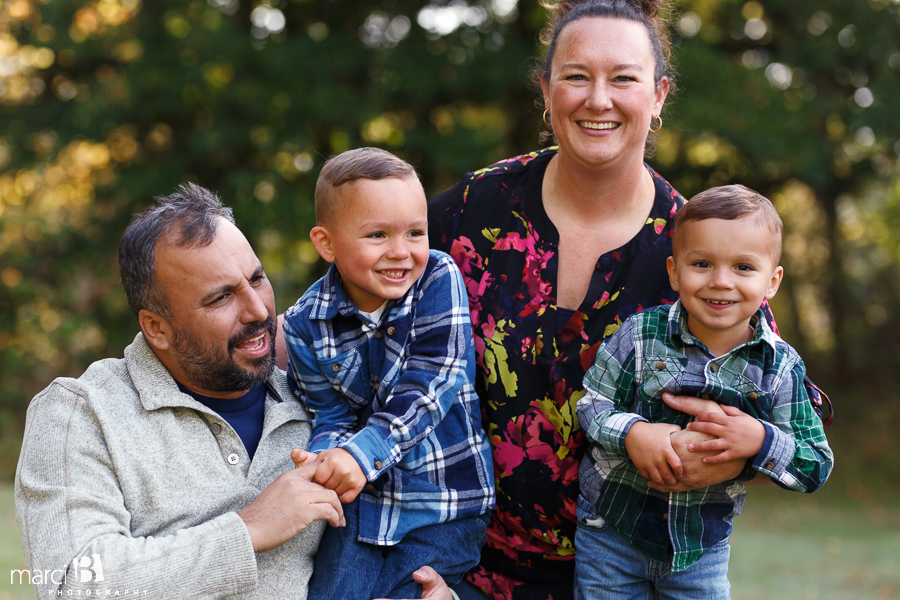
column 348, row 569
column 607, row 566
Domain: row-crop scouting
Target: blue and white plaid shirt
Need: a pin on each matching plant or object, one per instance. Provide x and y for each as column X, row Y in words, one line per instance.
column 653, row 352
column 400, row 399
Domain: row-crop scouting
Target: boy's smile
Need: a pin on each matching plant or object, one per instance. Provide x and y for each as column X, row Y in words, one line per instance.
column 723, row 270
column 379, row 240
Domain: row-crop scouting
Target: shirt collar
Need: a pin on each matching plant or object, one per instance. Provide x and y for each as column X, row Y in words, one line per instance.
column 678, row 328
column 331, row 298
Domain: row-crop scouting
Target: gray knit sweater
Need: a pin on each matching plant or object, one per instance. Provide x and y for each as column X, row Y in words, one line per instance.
column 125, row 484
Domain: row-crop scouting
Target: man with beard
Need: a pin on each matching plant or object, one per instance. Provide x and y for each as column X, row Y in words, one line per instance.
column 168, row 474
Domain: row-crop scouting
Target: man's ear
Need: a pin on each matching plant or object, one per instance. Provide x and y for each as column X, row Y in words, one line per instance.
column 321, row 239
column 157, row 330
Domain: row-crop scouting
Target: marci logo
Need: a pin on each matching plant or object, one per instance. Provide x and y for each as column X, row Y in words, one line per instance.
column 88, row 568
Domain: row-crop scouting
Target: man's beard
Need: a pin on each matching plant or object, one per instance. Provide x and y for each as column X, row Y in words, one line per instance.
column 208, row 368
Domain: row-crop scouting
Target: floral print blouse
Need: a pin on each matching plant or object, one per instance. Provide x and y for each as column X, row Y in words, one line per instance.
column 532, row 356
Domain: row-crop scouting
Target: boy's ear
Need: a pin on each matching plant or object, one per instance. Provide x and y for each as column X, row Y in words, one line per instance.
column 157, row 330
column 673, row 278
column 321, row 239
column 774, row 282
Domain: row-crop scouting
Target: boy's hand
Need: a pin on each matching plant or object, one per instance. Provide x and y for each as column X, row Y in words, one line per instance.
column 739, row 435
column 650, row 449
column 339, row 471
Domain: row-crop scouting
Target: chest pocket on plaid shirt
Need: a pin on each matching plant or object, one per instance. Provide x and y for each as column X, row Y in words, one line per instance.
column 660, row 374
column 743, row 393
column 347, row 376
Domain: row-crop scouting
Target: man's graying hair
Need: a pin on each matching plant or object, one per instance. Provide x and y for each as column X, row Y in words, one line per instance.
column 185, row 219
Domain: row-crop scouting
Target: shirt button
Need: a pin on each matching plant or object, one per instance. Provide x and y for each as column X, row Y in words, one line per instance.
column 216, row 428
column 391, row 330
column 714, row 367
column 666, row 517
column 705, row 396
column 369, row 488
column 378, row 465
column 752, row 396
column 378, row 334
column 233, row 459
column 660, row 366
column 335, row 367
column 769, row 466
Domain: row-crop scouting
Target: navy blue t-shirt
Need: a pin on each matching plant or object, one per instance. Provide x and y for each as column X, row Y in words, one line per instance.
column 244, row 414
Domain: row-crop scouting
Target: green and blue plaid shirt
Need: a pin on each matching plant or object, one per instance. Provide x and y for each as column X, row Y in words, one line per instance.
column 652, row 353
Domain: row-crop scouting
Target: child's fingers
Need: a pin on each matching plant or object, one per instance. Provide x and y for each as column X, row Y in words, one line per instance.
column 677, row 469
column 721, row 457
column 324, row 474
column 348, row 496
column 714, row 445
column 708, row 427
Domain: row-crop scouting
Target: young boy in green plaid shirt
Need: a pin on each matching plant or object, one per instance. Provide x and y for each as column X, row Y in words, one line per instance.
column 634, row 541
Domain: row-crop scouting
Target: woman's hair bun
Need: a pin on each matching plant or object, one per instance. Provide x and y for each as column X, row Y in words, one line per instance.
column 649, row 8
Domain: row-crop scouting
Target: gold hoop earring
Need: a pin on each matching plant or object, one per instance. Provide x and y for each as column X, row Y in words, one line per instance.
column 651, row 123
column 546, row 119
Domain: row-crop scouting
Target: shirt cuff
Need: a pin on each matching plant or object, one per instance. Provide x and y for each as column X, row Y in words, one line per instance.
column 610, row 432
column 776, row 454
column 370, row 451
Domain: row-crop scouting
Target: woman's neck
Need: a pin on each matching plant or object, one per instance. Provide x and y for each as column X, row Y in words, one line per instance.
column 597, row 195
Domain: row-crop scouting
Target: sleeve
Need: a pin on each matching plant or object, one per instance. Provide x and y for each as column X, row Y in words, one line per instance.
column 603, row 411
column 76, row 527
column 333, row 419
column 437, row 363
column 795, row 452
column 818, row 399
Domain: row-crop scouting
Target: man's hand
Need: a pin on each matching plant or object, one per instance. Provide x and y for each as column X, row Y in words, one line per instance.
column 339, row 471
column 302, row 458
column 649, row 447
column 433, row 585
column 288, row 506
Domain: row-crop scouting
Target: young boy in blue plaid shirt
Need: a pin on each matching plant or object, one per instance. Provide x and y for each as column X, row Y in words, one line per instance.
column 634, row 541
column 381, row 352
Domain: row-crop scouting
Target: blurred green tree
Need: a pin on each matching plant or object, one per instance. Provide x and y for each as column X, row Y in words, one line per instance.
column 108, row 103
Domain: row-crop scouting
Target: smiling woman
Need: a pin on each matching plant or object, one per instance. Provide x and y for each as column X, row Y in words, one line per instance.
column 558, row 247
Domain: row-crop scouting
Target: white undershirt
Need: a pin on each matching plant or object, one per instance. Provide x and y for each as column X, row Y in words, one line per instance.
column 374, row 317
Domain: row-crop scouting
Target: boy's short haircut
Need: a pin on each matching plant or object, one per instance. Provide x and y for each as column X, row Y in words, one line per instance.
column 346, row 167
column 731, row 202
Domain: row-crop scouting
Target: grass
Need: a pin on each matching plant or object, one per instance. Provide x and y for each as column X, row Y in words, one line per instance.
column 788, row 546
column 785, row 547
column 10, row 549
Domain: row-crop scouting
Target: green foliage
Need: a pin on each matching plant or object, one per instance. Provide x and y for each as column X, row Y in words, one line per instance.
column 109, row 103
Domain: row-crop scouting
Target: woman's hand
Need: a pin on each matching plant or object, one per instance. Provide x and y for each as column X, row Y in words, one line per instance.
column 697, row 472
column 735, row 434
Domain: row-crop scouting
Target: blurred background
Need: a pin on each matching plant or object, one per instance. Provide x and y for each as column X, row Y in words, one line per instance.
column 105, row 104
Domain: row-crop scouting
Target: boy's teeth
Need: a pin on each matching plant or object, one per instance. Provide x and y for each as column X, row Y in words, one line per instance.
column 590, row 125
